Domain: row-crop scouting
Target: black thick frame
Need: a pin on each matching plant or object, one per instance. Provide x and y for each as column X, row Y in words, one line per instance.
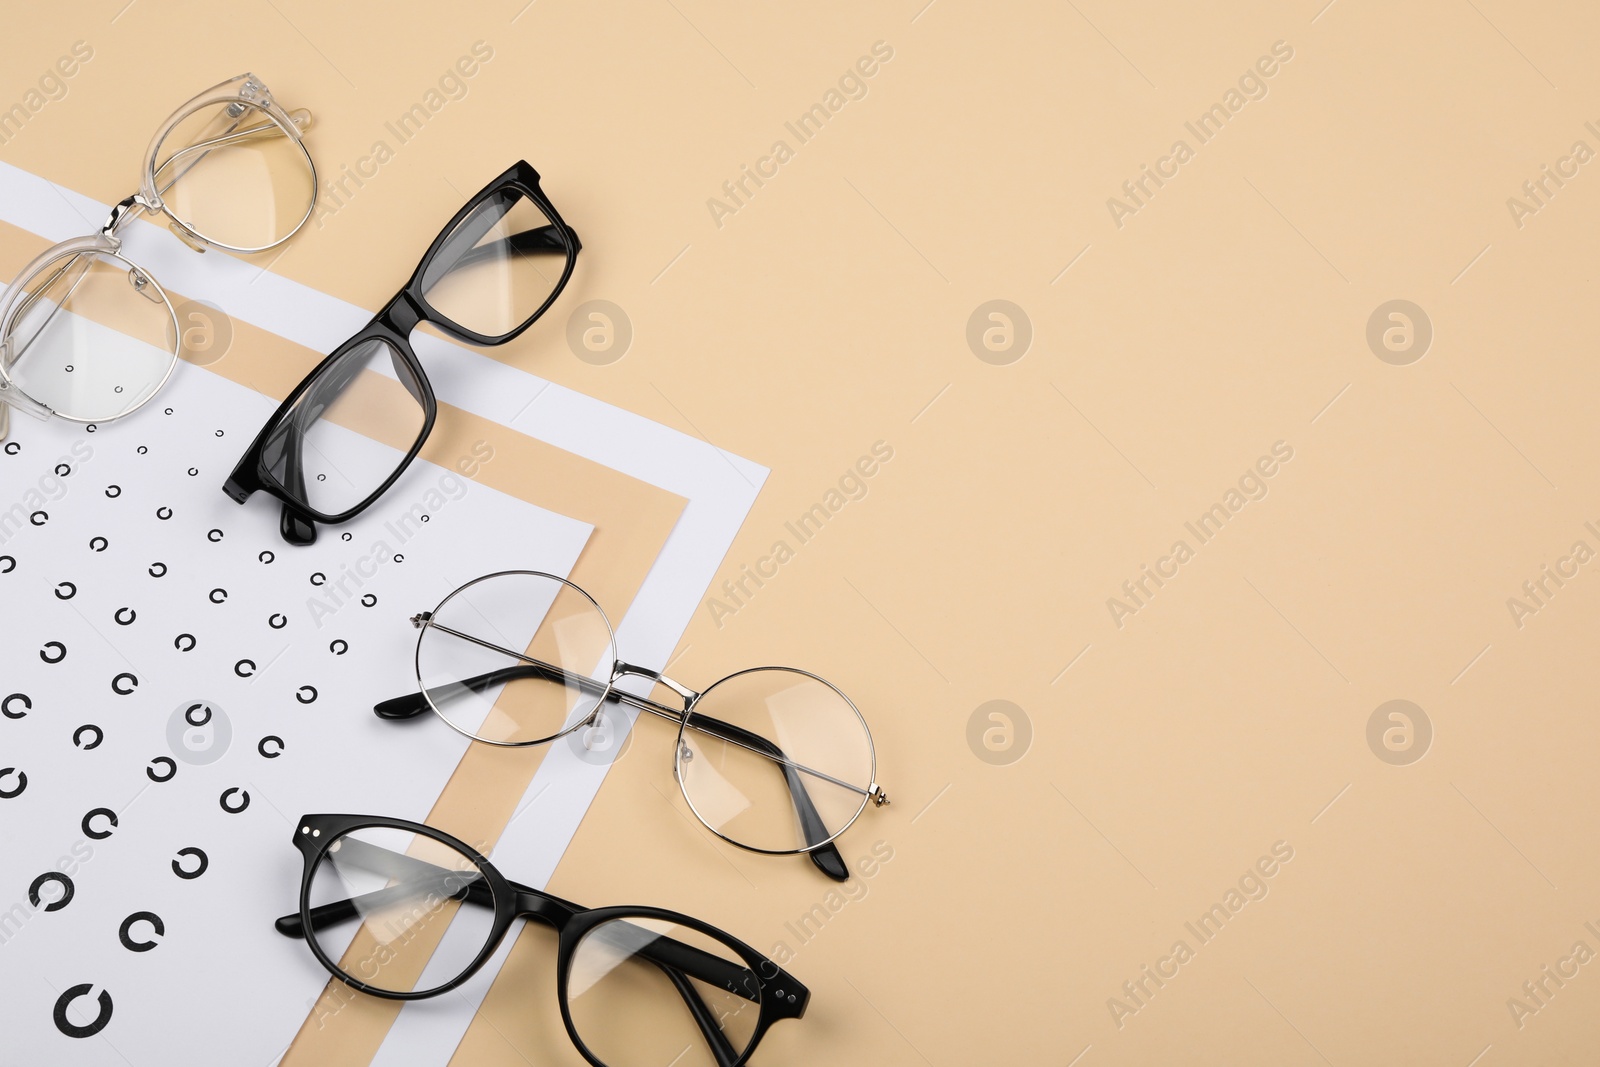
column 778, row 994
column 393, row 326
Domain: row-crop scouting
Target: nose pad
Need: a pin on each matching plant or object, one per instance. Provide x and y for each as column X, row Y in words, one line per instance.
column 142, row 285
column 597, row 735
column 301, row 118
column 187, row 238
column 685, row 755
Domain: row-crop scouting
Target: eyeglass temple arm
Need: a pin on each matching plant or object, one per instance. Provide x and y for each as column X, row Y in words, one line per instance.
column 710, row 1027
column 300, row 117
column 825, row 857
column 13, row 355
column 539, row 239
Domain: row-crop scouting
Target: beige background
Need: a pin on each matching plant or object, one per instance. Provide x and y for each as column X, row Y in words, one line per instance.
column 1229, row 313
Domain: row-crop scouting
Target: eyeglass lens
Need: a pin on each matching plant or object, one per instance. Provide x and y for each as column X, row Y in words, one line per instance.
column 349, row 430
column 775, row 759
column 472, row 659
column 94, row 339
column 231, row 173
column 497, row 267
column 631, row 1011
column 408, row 913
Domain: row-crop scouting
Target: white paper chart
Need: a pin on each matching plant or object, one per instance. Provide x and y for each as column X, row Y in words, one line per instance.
column 179, row 686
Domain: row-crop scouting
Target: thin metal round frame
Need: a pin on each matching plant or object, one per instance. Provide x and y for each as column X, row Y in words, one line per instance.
column 824, row 854
column 428, row 624
column 688, row 724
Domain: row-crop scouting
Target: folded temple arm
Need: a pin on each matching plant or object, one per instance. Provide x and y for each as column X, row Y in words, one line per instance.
column 413, row 879
column 416, row 879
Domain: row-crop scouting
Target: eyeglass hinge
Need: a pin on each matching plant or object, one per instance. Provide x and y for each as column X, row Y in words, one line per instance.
column 420, row 619
column 879, row 797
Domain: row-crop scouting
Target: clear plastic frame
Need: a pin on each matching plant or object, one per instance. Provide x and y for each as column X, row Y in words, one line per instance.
column 88, row 335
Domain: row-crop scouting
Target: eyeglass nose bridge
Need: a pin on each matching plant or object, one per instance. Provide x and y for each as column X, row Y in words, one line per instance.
column 624, row 669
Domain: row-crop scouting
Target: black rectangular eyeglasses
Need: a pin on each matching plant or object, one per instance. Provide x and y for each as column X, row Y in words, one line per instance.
column 402, row 911
column 498, row 265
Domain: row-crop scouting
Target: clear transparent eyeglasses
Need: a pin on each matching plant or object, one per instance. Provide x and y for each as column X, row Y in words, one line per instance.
column 772, row 759
column 90, row 336
column 405, row 912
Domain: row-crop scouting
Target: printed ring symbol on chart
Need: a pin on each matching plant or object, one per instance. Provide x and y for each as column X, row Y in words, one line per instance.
column 244, row 800
column 88, row 728
column 23, row 698
column 59, row 655
column 16, row 791
column 98, row 835
column 200, row 868
column 67, row 889
column 124, row 931
column 89, row 1029
column 169, row 762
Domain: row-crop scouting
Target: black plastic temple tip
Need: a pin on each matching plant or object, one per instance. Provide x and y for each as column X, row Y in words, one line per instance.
column 830, row 863
column 406, row 707
column 296, row 530
column 290, row 926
